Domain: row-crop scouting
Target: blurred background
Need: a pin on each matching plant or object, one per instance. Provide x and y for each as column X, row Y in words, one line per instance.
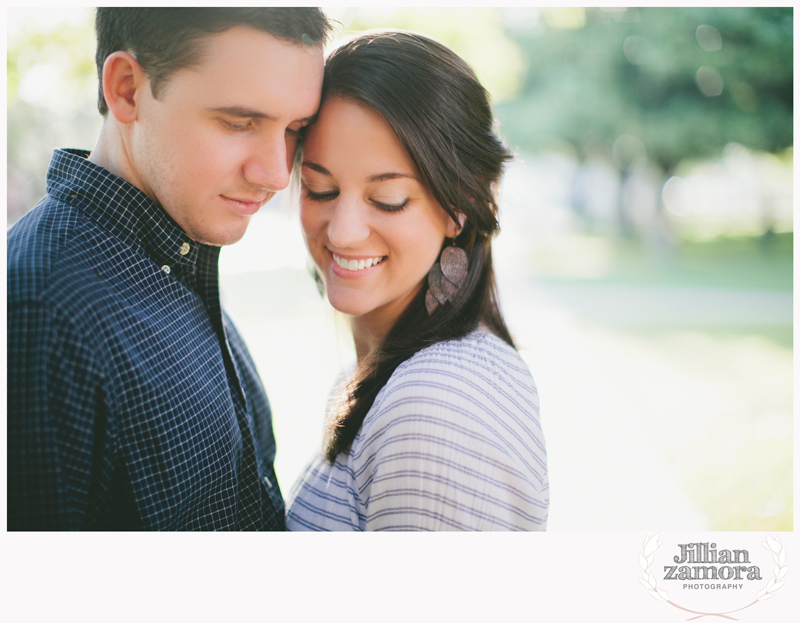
column 644, row 264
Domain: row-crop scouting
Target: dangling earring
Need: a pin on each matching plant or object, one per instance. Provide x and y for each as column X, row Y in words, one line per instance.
column 446, row 276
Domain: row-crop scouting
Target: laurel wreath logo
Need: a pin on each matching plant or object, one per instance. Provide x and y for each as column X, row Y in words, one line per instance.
column 648, row 580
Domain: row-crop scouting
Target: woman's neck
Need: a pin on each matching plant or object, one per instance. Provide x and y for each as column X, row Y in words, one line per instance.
column 367, row 335
column 371, row 328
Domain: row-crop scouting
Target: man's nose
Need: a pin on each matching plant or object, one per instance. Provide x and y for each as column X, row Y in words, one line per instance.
column 347, row 226
column 270, row 163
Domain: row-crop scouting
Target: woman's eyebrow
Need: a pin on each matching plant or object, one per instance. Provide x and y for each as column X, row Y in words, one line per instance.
column 316, row 167
column 380, row 177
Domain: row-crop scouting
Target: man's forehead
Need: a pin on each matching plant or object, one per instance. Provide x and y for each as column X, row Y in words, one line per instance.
column 241, row 36
column 244, row 72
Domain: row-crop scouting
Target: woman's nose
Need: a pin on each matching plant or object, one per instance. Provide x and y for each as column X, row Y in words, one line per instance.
column 347, row 226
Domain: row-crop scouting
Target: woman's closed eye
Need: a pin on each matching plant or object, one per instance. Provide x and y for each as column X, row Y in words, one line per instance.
column 329, row 195
column 326, row 195
column 390, row 207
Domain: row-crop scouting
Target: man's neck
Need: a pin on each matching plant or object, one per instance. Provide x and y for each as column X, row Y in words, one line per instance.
column 110, row 153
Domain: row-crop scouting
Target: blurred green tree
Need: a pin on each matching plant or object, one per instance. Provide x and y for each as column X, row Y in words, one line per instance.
column 51, row 95
column 477, row 34
column 685, row 82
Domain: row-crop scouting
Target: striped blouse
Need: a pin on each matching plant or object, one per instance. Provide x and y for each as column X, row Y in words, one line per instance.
column 452, row 442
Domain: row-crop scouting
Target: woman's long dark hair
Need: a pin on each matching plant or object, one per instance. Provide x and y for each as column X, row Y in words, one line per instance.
column 434, row 103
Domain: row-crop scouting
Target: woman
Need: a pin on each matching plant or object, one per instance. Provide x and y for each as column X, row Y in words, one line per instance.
column 438, row 428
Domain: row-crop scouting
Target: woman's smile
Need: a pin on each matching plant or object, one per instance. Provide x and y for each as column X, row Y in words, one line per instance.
column 351, row 266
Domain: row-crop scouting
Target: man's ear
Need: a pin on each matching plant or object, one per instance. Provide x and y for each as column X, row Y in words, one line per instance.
column 454, row 229
column 123, row 77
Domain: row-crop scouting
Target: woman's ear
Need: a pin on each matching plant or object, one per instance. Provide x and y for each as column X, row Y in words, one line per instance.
column 122, row 78
column 453, row 228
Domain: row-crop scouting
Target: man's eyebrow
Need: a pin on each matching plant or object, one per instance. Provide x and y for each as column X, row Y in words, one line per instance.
column 241, row 111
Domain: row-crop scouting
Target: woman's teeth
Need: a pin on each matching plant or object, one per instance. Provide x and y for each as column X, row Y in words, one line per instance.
column 356, row 264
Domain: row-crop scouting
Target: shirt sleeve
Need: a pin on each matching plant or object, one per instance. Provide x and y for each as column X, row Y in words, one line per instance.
column 452, row 449
column 56, row 417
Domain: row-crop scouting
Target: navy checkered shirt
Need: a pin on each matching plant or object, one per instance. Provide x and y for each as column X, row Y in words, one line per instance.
column 132, row 401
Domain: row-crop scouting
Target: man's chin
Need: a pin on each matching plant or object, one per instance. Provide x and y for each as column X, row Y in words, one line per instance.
column 220, row 237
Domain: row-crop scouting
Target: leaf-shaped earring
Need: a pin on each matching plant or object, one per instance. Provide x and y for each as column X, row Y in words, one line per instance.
column 445, row 277
column 454, row 268
column 435, row 295
column 430, row 302
column 454, row 265
column 435, row 279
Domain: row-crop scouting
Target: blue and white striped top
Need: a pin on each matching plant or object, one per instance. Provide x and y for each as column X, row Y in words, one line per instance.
column 452, row 442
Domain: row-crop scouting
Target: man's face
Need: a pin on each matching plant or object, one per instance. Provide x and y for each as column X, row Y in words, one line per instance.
column 220, row 140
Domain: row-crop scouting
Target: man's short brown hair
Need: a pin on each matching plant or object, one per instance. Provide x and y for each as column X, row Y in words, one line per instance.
column 164, row 40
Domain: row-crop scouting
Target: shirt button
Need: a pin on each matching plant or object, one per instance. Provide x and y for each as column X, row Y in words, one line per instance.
column 185, row 248
column 166, row 269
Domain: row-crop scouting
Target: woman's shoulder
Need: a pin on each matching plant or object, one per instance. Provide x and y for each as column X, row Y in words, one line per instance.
column 477, row 376
column 478, row 354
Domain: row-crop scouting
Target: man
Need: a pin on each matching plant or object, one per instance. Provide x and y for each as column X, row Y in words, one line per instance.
column 132, row 401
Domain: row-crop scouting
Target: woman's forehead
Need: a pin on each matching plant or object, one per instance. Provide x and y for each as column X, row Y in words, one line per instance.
column 355, row 137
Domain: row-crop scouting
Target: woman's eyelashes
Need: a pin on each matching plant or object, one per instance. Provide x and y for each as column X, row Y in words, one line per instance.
column 389, row 207
column 320, row 196
column 332, row 194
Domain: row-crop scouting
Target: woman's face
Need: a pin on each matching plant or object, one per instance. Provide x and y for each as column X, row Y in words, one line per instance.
column 373, row 228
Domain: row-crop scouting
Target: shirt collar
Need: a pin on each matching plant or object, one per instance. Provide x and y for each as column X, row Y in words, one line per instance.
column 121, row 208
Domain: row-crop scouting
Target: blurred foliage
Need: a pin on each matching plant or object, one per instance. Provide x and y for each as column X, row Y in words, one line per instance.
column 67, row 49
column 724, row 262
column 476, row 34
column 51, row 95
column 595, row 74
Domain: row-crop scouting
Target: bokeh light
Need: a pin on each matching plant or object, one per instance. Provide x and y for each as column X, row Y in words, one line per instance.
column 710, row 81
column 709, row 38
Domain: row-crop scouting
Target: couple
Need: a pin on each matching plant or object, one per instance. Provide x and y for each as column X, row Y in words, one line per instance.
column 132, row 400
